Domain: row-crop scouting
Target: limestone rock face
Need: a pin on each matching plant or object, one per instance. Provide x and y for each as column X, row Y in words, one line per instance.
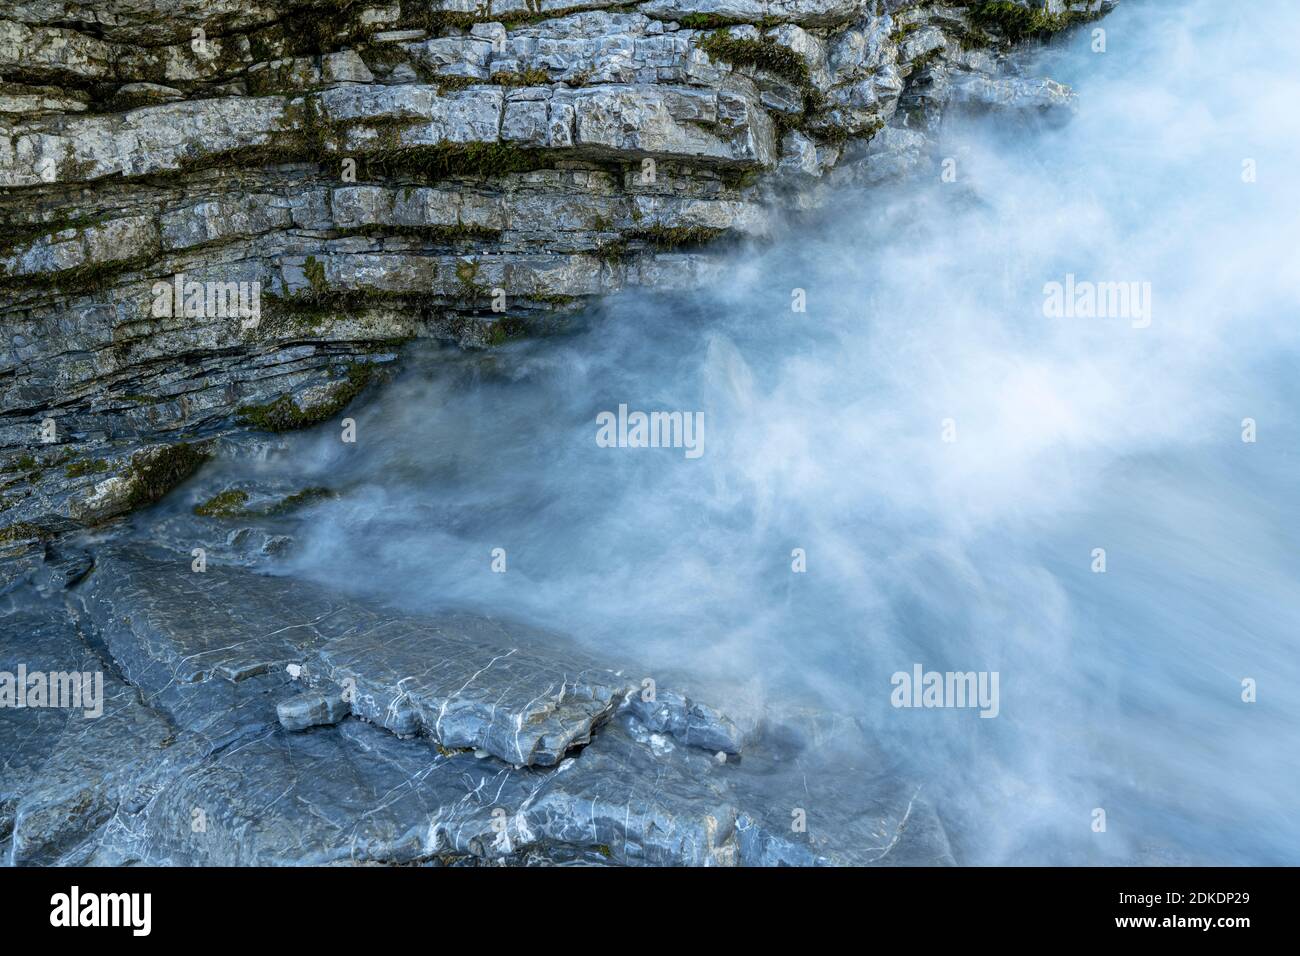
column 220, row 215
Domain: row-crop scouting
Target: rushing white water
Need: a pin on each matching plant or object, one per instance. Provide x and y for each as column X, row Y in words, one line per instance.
column 824, row 431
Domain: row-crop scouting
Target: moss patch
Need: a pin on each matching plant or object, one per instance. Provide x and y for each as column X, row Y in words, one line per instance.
column 612, row 252
column 18, row 235
column 739, row 177
column 227, row 504
column 91, row 277
column 450, row 84
column 284, row 414
column 301, row 314
column 925, row 59
column 306, row 314
column 557, row 299
column 314, row 270
column 903, row 32
column 438, row 234
column 154, row 473
column 310, row 29
column 86, row 466
column 503, row 330
column 529, row 77
column 417, row 16
column 467, row 276
column 706, row 21
column 299, row 500
column 761, row 54
column 766, row 54
column 478, row 160
column 1019, row 23
column 22, row 531
column 675, row 237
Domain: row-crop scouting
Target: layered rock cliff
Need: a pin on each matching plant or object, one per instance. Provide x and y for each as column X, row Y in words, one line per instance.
column 364, row 173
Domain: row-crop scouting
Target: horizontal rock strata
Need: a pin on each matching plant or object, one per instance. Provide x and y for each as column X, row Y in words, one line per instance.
column 380, row 172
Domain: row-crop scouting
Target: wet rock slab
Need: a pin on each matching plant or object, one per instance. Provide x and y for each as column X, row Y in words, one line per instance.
column 465, row 681
column 356, row 794
column 66, row 770
column 469, row 740
column 472, row 682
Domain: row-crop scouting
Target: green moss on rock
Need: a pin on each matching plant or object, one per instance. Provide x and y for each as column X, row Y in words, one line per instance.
column 90, row 277
column 154, row 472
column 1019, row 23
column 467, row 272
column 706, row 21
column 314, row 270
column 22, row 531
column 903, row 32
column 86, row 466
column 478, row 160
column 439, row 234
column 451, row 84
column 503, row 330
column 299, row 500
column 761, row 54
column 18, row 235
column 675, row 237
column 226, row 504
column 284, row 414
column 612, row 252
column 530, row 77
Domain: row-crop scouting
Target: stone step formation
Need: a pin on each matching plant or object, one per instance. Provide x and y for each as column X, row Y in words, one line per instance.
column 225, row 221
column 293, row 726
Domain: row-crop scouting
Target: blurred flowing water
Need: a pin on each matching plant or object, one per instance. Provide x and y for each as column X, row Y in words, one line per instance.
column 823, row 431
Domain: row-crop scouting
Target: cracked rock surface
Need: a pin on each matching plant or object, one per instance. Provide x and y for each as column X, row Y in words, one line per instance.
column 468, row 739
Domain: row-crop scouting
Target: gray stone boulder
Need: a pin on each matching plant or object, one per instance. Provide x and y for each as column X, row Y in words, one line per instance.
column 312, row 709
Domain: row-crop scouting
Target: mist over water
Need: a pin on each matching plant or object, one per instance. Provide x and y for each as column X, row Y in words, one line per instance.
column 823, row 431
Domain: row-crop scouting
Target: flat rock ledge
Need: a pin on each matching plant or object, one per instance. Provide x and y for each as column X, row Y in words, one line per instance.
column 252, row 719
